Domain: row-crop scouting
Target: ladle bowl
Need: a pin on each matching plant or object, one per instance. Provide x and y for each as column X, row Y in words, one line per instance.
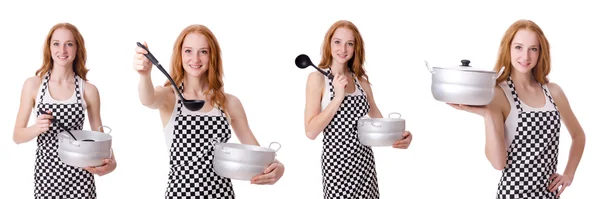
column 192, row 105
column 303, row 61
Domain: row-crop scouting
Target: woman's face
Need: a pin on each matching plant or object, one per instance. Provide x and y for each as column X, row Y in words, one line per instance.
column 342, row 45
column 524, row 50
column 63, row 47
column 195, row 54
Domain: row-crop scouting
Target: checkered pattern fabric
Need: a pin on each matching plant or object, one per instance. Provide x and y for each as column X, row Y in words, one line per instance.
column 54, row 179
column 191, row 154
column 348, row 168
column 533, row 154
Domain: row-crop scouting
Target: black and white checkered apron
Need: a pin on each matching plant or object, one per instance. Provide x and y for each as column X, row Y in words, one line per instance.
column 533, row 154
column 348, row 168
column 54, row 179
column 191, row 155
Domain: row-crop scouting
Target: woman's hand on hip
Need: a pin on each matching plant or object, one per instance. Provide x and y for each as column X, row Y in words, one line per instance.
column 559, row 181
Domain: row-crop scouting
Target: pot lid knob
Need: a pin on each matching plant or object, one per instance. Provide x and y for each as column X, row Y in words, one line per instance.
column 465, row 62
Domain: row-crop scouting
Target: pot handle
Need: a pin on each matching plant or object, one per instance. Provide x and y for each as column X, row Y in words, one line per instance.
column 499, row 73
column 74, row 143
column 105, row 127
column 223, row 149
column 395, row 113
column 376, row 124
column 278, row 146
column 64, row 137
column 428, row 67
column 111, row 154
column 214, row 142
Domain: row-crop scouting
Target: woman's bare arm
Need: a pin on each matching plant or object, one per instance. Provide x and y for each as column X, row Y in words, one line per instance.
column 316, row 120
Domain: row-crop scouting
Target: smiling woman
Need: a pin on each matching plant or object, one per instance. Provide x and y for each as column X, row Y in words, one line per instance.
column 332, row 107
column 523, row 121
column 191, row 136
column 61, row 89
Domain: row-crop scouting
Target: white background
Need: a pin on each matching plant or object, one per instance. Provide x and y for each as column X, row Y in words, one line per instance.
column 260, row 41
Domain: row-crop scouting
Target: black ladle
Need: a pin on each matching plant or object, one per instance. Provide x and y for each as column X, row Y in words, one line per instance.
column 53, row 120
column 303, row 61
column 192, row 105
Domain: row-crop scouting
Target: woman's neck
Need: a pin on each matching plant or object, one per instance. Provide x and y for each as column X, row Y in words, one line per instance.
column 62, row 73
column 198, row 86
column 339, row 69
column 524, row 80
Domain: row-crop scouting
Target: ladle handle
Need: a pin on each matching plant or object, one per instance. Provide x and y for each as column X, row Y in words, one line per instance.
column 148, row 55
column 329, row 75
column 159, row 66
column 58, row 123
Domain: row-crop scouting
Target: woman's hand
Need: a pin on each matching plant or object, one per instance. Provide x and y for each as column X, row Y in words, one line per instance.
column 479, row 110
column 42, row 123
column 271, row 175
column 339, row 86
column 140, row 63
column 403, row 143
column 559, row 181
column 108, row 166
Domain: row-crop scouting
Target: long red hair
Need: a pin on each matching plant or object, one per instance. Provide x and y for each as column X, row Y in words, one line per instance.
column 355, row 64
column 214, row 74
column 80, row 57
column 542, row 68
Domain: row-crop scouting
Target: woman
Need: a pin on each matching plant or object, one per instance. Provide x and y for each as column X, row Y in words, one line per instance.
column 60, row 88
column 334, row 109
column 197, row 70
column 524, row 118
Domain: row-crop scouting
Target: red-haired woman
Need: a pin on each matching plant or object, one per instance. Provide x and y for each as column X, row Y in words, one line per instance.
column 197, row 69
column 334, row 108
column 523, row 121
column 60, row 87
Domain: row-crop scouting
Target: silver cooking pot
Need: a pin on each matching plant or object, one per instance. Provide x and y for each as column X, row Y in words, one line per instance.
column 463, row 84
column 380, row 131
column 90, row 148
column 242, row 161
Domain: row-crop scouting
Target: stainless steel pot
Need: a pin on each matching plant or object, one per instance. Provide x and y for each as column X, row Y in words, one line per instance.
column 463, row 84
column 242, row 161
column 80, row 153
column 380, row 131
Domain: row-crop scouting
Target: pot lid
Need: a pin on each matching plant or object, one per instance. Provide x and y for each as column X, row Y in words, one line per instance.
column 464, row 66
